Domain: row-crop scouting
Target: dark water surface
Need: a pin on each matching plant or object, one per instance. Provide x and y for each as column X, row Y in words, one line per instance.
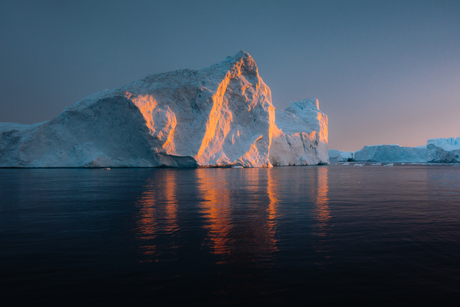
column 326, row 235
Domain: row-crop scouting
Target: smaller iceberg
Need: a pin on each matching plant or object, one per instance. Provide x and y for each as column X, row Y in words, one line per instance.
column 446, row 144
column 391, row 153
column 340, row 156
column 299, row 136
column 442, row 150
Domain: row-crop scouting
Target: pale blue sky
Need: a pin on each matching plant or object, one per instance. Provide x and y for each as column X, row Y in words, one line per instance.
column 384, row 72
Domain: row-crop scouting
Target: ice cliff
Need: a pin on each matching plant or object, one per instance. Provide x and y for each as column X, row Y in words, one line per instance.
column 300, row 135
column 217, row 116
column 444, row 150
column 391, row 153
column 440, row 150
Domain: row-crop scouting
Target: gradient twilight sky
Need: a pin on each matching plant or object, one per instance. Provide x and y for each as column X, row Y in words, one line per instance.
column 384, row 72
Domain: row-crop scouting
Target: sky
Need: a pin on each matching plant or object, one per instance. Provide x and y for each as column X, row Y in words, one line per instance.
column 385, row 72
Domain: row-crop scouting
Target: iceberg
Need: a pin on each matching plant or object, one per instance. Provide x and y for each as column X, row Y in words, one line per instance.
column 300, row 135
column 340, row 156
column 444, row 150
column 219, row 116
column 391, row 153
column 446, row 144
column 441, row 150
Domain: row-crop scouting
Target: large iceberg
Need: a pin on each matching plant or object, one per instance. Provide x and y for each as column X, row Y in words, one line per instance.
column 217, row 116
column 442, row 150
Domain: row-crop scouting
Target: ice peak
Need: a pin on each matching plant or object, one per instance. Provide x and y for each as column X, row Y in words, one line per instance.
column 241, row 61
column 304, row 105
column 242, row 54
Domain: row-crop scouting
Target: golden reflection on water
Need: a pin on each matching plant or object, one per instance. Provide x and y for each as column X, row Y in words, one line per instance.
column 272, row 209
column 216, row 209
column 147, row 222
column 239, row 232
column 171, row 203
column 158, row 206
column 321, row 212
column 263, row 203
column 239, row 210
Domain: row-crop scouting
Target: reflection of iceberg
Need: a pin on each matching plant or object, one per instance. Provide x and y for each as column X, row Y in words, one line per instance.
column 264, row 202
column 239, row 213
column 171, row 203
column 158, row 211
column 147, row 223
column 239, row 231
column 322, row 213
column 272, row 209
column 215, row 209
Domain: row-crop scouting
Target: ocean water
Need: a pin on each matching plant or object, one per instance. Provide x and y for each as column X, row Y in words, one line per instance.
column 325, row 235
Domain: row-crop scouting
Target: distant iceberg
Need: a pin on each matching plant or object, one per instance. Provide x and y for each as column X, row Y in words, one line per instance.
column 446, row 144
column 391, row 153
column 442, row 150
column 340, row 156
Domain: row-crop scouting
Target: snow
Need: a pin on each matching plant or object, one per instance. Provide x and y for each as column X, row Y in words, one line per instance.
column 221, row 115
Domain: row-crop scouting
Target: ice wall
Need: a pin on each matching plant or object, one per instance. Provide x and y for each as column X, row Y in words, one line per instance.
column 300, row 136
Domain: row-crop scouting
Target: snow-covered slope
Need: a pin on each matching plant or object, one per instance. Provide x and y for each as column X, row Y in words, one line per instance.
column 107, row 132
column 300, row 135
column 217, row 116
column 339, row 156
